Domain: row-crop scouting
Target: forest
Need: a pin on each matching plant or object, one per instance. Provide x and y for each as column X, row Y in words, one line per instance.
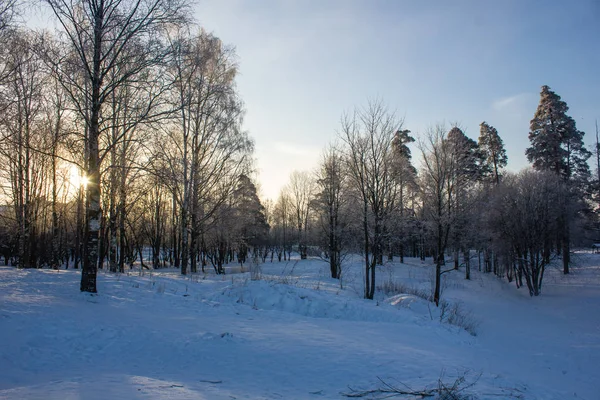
column 122, row 141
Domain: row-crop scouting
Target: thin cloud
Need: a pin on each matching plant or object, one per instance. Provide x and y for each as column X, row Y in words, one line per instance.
column 511, row 101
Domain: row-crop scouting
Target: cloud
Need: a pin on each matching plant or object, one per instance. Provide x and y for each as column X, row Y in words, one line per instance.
column 511, row 102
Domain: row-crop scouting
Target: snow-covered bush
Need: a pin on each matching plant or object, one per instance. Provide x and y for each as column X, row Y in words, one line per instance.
column 255, row 269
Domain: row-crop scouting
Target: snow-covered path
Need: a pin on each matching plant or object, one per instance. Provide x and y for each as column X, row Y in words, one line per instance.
column 162, row 336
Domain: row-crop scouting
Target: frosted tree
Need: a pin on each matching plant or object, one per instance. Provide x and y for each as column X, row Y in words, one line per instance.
column 301, row 189
column 7, row 12
column 438, row 191
column 330, row 202
column 20, row 136
column 493, row 152
column 522, row 216
column 251, row 224
column 405, row 175
column 8, row 9
column 466, row 171
column 283, row 221
column 209, row 150
column 465, row 155
column 97, row 34
column 557, row 146
column 368, row 135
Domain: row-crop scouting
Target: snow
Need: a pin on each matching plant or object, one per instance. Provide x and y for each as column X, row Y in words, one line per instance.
column 294, row 334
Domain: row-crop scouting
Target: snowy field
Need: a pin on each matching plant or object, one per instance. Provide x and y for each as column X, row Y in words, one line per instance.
column 294, row 334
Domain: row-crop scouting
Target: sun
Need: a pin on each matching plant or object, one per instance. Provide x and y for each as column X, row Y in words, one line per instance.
column 76, row 178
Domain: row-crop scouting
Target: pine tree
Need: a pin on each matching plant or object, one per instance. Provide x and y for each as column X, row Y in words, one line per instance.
column 405, row 175
column 493, row 152
column 557, row 146
column 252, row 225
column 466, row 157
column 466, row 169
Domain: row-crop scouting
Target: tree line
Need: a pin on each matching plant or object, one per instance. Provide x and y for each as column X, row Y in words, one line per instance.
column 120, row 132
column 460, row 206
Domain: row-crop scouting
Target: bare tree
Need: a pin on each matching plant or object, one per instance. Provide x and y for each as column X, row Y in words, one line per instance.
column 7, row 13
column 8, row 10
column 368, row 134
column 331, row 202
column 524, row 210
column 282, row 218
column 23, row 96
column 98, row 32
column 300, row 190
column 56, row 123
column 211, row 147
column 438, row 192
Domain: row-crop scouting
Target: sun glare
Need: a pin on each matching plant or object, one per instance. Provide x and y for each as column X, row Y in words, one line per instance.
column 76, row 178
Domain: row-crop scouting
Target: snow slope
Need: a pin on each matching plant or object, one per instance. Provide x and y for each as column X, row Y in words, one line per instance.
column 292, row 335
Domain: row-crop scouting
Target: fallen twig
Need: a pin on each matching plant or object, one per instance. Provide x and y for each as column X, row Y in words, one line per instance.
column 387, row 390
column 209, row 381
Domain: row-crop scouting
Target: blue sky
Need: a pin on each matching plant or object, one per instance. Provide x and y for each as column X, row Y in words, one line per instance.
column 303, row 63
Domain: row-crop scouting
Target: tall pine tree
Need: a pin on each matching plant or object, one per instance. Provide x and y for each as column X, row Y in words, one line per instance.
column 492, row 151
column 466, row 157
column 466, row 170
column 405, row 175
column 557, row 146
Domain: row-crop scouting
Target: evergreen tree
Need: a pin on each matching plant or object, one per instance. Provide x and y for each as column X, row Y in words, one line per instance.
column 400, row 142
column 492, row 151
column 557, row 146
column 405, row 175
column 465, row 170
column 466, row 158
column 250, row 216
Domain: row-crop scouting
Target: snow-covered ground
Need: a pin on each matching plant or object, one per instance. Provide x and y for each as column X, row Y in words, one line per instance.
column 294, row 334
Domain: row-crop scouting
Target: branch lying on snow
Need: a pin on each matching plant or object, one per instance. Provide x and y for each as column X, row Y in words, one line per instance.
column 445, row 391
column 389, row 391
column 209, row 381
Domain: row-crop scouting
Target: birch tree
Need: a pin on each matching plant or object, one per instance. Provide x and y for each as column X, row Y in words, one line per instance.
column 98, row 32
column 23, row 96
column 211, row 147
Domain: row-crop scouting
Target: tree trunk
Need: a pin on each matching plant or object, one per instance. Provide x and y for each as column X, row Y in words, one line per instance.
column 55, row 227
column 566, row 253
column 78, row 229
column 467, row 256
column 367, row 265
column 438, row 265
column 112, row 225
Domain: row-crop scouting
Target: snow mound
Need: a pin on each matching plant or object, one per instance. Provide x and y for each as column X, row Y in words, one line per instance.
column 411, row 302
column 272, row 296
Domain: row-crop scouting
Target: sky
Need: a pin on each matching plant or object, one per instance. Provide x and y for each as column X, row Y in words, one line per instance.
column 304, row 63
